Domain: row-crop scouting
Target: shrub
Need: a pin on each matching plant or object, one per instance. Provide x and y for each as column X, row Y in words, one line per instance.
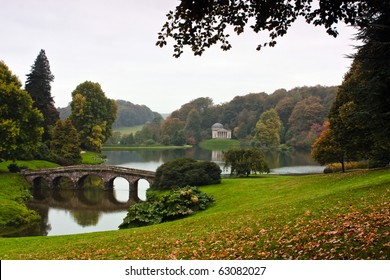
column 142, row 214
column 14, row 168
column 185, row 171
column 336, row 167
column 177, row 204
column 245, row 161
column 183, row 202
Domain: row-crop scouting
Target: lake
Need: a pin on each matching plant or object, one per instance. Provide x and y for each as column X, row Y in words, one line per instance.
column 69, row 211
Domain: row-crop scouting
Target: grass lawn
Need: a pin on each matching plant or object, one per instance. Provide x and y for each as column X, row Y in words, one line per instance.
column 334, row 216
column 13, row 193
column 219, row 144
column 129, row 148
column 31, row 164
column 127, row 130
column 91, row 158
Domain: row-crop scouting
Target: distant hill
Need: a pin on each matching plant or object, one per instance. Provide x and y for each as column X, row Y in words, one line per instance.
column 302, row 111
column 129, row 114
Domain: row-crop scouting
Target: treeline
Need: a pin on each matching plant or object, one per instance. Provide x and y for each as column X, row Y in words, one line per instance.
column 128, row 114
column 301, row 111
column 30, row 126
column 359, row 119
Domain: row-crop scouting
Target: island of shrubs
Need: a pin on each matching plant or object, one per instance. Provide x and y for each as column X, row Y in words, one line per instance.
column 182, row 178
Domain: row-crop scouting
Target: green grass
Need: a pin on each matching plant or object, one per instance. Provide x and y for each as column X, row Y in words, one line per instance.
column 91, row 158
column 219, row 144
column 334, row 216
column 128, row 130
column 31, row 164
column 13, row 194
column 154, row 147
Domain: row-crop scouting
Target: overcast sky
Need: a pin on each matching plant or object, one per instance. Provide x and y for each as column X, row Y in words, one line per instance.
column 113, row 43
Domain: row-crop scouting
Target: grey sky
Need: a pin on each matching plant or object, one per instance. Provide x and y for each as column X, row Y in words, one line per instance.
column 113, row 43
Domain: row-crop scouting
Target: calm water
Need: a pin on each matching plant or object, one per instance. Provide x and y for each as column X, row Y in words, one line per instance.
column 69, row 211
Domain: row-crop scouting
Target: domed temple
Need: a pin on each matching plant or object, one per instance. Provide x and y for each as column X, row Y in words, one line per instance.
column 219, row 132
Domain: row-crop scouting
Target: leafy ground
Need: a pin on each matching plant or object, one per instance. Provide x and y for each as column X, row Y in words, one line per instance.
column 335, row 216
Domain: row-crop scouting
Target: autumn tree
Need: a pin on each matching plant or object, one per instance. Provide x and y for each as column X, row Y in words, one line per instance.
column 202, row 24
column 92, row 115
column 38, row 86
column 360, row 115
column 201, row 104
column 284, row 107
column 327, row 150
column 20, row 124
column 192, row 128
column 245, row 161
column 172, row 131
column 268, row 129
column 307, row 112
column 150, row 133
column 65, row 143
column 205, row 119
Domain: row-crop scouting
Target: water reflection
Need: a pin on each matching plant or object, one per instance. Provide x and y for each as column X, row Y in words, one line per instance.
column 279, row 163
column 151, row 159
column 78, row 199
column 289, row 159
column 78, row 210
column 70, row 211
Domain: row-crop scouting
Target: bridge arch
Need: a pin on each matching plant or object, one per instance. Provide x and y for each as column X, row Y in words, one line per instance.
column 62, row 181
column 111, row 181
column 40, row 181
column 120, row 186
column 91, row 179
column 142, row 185
column 78, row 174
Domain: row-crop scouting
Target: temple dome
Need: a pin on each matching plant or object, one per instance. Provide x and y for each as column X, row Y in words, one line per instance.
column 217, row 125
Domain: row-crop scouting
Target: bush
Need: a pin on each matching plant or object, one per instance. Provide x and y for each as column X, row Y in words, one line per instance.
column 176, row 204
column 142, row 214
column 14, row 168
column 245, row 161
column 186, row 172
column 183, row 202
column 336, row 167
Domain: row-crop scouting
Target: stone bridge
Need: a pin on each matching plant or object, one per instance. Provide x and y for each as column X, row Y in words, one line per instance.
column 78, row 173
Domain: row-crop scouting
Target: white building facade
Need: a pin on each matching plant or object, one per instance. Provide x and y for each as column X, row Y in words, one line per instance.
column 219, row 132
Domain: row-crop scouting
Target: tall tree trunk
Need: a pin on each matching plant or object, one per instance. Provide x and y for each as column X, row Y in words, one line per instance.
column 342, row 166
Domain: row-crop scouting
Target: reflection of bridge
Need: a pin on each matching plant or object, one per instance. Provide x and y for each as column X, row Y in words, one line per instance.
column 77, row 174
column 80, row 200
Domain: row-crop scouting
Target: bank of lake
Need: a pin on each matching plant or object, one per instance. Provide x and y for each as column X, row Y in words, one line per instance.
column 322, row 216
column 65, row 219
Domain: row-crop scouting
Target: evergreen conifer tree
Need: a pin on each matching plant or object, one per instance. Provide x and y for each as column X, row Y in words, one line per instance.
column 38, row 86
column 360, row 115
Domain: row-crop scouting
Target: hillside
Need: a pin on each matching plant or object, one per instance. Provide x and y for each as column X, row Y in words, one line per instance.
column 335, row 216
column 301, row 111
column 129, row 114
